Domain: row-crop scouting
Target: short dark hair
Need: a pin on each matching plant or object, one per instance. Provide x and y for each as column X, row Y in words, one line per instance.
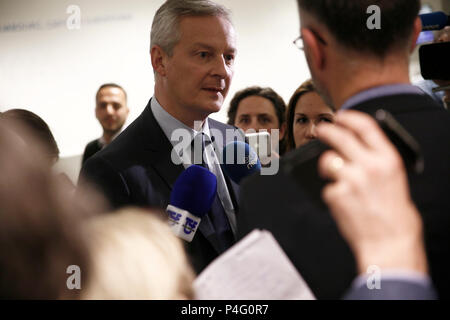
column 346, row 20
column 268, row 93
column 108, row 85
column 37, row 126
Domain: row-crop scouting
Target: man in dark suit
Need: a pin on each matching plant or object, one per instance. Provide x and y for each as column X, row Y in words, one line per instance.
column 377, row 219
column 111, row 111
column 356, row 65
column 192, row 54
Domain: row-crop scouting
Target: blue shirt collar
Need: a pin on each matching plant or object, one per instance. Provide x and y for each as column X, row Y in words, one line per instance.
column 381, row 91
column 169, row 124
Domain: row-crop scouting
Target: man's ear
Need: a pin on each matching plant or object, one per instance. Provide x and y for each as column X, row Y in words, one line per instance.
column 313, row 49
column 416, row 32
column 158, row 57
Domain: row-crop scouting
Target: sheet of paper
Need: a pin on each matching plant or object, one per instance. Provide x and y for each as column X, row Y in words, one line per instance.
column 256, row 268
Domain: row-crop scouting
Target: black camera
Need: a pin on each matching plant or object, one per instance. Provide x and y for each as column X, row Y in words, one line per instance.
column 435, row 61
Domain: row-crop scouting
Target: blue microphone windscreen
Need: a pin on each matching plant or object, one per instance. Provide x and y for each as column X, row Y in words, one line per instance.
column 239, row 160
column 434, row 21
column 194, row 190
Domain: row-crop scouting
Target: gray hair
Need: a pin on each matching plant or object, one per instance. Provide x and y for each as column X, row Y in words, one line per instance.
column 165, row 32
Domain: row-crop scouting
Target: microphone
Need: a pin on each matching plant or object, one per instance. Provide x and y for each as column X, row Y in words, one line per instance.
column 192, row 197
column 434, row 21
column 239, row 160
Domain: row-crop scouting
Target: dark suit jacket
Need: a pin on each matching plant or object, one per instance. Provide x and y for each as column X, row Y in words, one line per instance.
column 91, row 148
column 310, row 236
column 136, row 169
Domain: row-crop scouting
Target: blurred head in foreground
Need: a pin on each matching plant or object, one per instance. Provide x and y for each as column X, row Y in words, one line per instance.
column 46, row 234
column 306, row 110
column 444, row 36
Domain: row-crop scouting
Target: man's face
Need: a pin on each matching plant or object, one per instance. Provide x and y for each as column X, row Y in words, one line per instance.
column 111, row 110
column 199, row 73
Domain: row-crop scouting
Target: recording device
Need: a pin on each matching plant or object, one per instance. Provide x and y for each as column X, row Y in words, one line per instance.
column 191, row 199
column 435, row 61
column 239, row 160
column 302, row 163
column 434, row 21
column 261, row 143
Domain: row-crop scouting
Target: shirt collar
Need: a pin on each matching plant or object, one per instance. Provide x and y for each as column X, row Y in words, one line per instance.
column 381, row 91
column 169, row 124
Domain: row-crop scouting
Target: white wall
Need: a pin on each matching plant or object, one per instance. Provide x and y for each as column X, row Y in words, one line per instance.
column 55, row 72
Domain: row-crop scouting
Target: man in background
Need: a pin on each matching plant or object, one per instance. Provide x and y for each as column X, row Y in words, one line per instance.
column 444, row 36
column 111, row 110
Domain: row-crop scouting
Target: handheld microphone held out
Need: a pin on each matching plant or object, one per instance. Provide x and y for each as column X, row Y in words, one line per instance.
column 239, row 160
column 191, row 199
column 434, row 21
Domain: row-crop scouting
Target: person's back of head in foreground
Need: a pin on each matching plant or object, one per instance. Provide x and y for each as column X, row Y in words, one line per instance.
column 39, row 228
column 136, row 256
column 193, row 48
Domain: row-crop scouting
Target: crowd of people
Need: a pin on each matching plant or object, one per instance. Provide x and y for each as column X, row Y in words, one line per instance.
column 108, row 236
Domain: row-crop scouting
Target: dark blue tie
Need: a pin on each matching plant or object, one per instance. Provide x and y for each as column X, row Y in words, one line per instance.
column 217, row 214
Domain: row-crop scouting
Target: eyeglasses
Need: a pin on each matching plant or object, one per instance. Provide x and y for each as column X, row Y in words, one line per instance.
column 298, row 42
